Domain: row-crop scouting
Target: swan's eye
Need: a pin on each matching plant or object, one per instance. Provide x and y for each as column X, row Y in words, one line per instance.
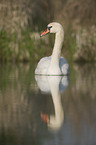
column 49, row 28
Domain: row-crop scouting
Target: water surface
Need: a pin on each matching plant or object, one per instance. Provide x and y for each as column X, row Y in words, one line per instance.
column 47, row 110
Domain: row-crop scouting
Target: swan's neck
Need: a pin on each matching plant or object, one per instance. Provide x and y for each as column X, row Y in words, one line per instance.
column 57, row 47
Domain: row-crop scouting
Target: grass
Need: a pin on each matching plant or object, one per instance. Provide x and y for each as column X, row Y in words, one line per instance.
column 20, row 47
column 70, row 43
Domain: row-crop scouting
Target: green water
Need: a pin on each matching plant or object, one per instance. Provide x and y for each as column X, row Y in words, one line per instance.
column 26, row 98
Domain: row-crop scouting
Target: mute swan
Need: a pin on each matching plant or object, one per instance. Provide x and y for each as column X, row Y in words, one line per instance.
column 54, row 64
column 54, row 85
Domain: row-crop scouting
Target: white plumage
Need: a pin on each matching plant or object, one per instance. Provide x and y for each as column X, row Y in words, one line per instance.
column 54, row 64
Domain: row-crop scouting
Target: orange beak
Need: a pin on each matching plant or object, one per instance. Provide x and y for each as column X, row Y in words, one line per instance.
column 45, row 32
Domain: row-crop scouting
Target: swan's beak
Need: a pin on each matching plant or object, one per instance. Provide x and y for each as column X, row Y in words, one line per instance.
column 45, row 32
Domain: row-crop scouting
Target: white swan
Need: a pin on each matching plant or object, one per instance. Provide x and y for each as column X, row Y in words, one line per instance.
column 54, row 64
column 54, row 85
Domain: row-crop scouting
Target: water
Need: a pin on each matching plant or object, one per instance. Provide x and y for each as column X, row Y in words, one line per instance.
column 47, row 110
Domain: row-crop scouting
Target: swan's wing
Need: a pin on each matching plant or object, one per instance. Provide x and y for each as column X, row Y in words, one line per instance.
column 42, row 66
column 64, row 66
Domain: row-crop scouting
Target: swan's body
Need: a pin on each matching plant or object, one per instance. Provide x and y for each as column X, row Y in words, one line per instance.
column 54, row 64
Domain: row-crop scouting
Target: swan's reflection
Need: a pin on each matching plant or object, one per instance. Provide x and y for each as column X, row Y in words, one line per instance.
column 55, row 85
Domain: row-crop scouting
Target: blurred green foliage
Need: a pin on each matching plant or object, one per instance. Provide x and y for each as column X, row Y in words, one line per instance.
column 4, row 46
column 22, row 47
column 70, row 43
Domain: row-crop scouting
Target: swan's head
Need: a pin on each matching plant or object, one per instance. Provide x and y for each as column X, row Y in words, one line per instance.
column 53, row 27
